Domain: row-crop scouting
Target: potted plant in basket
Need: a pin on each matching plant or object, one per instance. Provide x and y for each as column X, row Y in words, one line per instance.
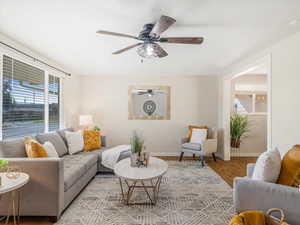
column 239, row 126
column 137, row 144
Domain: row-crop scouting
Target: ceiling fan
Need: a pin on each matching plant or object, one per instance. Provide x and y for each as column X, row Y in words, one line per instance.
column 149, row 92
column 150, row 37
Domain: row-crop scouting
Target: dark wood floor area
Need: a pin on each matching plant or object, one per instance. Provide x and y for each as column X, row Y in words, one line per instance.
column 228, row 170
column 236, row 167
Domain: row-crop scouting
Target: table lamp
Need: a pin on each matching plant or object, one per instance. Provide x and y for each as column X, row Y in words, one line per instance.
column 85, row 121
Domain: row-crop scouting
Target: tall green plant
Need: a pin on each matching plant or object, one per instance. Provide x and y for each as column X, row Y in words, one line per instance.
column 239, row 126
column 137, row 143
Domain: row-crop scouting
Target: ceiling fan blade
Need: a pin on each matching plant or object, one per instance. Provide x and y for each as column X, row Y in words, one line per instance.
column 161, row 25
column 115, row 34
column 160, row 52
column 127, row 48
column 182, row 40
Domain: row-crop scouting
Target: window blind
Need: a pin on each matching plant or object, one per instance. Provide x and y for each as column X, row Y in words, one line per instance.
column 53, row 98
column 23, row 99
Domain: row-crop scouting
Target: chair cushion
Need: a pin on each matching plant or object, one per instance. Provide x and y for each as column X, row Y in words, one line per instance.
column 193, row 146
column 13, row 148
column 56, row 140
column 75, row 166
column 198, row 135
column 195, row 127
column 290, row 168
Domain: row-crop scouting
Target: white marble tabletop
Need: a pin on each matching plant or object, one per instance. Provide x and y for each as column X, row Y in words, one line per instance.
column 12, row 184
column 156, row 168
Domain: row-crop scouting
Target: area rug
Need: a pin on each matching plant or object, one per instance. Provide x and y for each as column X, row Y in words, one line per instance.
column 189, row 195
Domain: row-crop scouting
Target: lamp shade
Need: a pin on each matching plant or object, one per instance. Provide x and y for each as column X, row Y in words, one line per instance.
column 85, row 120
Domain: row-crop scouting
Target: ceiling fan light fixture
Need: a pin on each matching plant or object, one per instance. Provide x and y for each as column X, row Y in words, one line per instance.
column 146, row 50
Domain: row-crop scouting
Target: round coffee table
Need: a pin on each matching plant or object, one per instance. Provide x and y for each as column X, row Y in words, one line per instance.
column 147, row 178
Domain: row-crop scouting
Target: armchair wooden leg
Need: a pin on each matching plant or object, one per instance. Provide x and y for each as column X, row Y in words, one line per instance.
column 214, row 156
column 202, row 159
column 194, row 156
column 181, row 155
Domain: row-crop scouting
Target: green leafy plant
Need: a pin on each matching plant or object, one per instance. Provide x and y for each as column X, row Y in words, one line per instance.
column 96, row 128
column 239, row 126
column 3, row 163
column 137, row 143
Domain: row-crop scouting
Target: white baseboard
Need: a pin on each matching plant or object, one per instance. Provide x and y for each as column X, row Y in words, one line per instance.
column 165, row 153
column 245, row 154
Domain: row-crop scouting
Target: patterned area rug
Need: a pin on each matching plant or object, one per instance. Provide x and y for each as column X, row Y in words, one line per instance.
column 189, row 195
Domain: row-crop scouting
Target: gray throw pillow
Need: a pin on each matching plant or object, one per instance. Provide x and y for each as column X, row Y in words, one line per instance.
column 56, row 140
column 13, row 148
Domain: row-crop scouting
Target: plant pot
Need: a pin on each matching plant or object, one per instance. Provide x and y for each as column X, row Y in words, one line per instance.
column 235, row 143
column 134, row 159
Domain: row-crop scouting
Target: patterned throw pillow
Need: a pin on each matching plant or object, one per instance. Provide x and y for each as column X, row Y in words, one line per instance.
column 92, row 140
column 34, row 149
column 290, row 168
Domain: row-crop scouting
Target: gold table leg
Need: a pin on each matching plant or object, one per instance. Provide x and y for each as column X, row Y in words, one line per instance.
column 15, row 197
column 155, row 186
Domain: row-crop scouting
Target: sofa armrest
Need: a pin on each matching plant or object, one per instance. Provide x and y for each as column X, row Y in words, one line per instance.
column 210, row 146
column 44, row 193
column 258, row 195
column 250, row 169
column 184, row 140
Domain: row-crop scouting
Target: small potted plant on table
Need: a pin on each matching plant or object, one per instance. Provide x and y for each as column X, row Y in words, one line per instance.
column 137, row 144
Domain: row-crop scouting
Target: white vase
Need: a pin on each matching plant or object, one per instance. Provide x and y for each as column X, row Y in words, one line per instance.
column 134, row 159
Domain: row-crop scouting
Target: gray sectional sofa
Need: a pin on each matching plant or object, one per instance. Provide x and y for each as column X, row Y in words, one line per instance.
column 54, row 182
column 252, row 194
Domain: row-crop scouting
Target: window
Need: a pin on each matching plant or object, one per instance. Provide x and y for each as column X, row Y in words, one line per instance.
column 24, row 101
column 250, row 103
column 53, row 99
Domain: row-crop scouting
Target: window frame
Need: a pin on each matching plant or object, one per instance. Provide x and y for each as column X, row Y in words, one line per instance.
column 46, row 83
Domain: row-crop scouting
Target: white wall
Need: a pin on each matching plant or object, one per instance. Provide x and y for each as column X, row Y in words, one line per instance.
column 285, row 96
column 194, row 100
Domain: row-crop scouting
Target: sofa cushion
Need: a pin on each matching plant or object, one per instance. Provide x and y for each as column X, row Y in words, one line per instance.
column 13, row 148
column 290, row 168
column 63, row 135
column 75, row 166
column 267, row 167
column 34, row 149
column 193, row 146
column 56, row 140
column 91, row 140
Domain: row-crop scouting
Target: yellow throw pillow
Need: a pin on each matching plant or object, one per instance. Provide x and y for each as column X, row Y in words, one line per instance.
column 91, row 140
column 34, row 149
column 290, row 168
column 249, row 218
column 195, row 127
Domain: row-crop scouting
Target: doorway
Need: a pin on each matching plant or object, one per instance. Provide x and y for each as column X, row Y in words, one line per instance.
column 248, row 93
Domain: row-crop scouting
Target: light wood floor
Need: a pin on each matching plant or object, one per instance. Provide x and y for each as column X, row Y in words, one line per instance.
column 236, row 167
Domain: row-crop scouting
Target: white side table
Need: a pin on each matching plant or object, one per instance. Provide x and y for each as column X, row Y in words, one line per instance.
column 13, row 187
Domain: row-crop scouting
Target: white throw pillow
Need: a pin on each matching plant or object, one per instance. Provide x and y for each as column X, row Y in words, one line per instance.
column 198, row 135
column 50, row 149
column 75, row 141
column 267, row 167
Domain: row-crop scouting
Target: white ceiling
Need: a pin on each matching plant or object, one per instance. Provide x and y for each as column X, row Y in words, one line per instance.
column 64, row 31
